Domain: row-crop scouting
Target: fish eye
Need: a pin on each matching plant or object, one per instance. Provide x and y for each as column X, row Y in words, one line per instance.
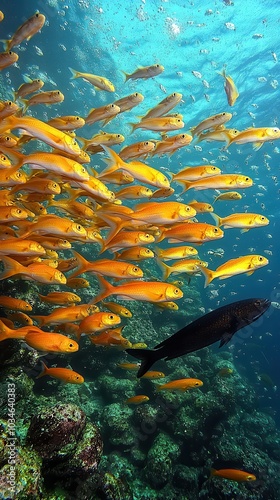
column 74, row 143
column 8, row 139
column 196, row 383
column 9, row 103
column 135, row 269
column 112, row 105
column 258, row 303
column 216, row 230
column 71, row 345
column 118, row 135
column 147, row 235
column 111, row 316
column 174, row 94
column 10, row 52
column 157, row 65
column 246, row 178
column 77, row 118
column 19, row 211
column 176, row 291
column 178, row 121
column 146, row 143
column 3, row 158
column 223, row 114
column 260, row 258
column 183, row 136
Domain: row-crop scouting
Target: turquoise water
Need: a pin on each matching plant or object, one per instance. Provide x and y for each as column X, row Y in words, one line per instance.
column 164, row 448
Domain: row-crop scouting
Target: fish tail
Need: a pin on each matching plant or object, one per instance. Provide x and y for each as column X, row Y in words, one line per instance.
column 11, row 267
column 166, row 270
column 134, row 126
column 75, row 74
column 218, row 220
column 106, row 289
column 186, row 184
column 44, row 370
column 148, row 358
column 213, row 472
column 40, row 319
column 4, row 331
column 6, row 44
column 24, row 102
column 127, row 76
column 82, row 264
column 208, row 275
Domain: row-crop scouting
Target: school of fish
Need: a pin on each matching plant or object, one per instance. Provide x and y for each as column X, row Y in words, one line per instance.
column 52, row 200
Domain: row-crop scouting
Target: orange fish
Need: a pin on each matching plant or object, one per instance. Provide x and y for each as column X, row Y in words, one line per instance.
column 17, row 246
column 20, row 333
column 201, row 207
column 67, row 376
column 28, row 87
column 51, row 342
column 39, row 272
column 153, row 375
column 20, row 317
column 243, row 221
column 223, row 181
column 134, row 192
column 152, row 291
column 195, row 173
column 54, row 225
column 98, row 322
column 233, row 474
column 8, row 108
column 193, row 232
column 14, row 304
column 60, row 298
column 104, row 267
column 129, row 366
column 180, row 385
column 110, row 338
column 118, row 309
column 77, row 283
column 135, row 253
column 137, row 400
column 66, row 314
column 26, row 31
column 7, row 58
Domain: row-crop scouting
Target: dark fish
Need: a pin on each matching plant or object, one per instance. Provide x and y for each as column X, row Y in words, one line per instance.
column 220, row 324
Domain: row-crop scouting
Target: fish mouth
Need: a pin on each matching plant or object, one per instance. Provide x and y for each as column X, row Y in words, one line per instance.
column 261, row 305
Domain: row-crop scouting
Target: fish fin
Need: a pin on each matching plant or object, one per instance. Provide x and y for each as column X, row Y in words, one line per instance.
column 6, row 44
column 127, row 76
column 133, row 126
column 218, row 220
column 74, row 73
column 27, row 78
column 208, row 275
column 257, row 145
column 11, row 267
column 166, row 270
column 226, row 337
column 244, row 230
column 106, row 289
column 39, row 319
column 148, row 358
column 44, row 370
column 82, row 265
column 250, row 272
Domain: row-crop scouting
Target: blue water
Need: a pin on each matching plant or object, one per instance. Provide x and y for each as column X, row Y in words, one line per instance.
column 106, row 38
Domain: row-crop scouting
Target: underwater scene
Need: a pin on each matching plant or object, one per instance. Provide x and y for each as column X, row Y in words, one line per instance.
column 139, row 235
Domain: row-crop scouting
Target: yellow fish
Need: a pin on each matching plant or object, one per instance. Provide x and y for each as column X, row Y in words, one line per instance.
column 159, row 124
column 24, row 32
column 99, row 82
column 230, row 88
column 145, row 72
column 212, row 122
column 245, row 264
column 244, row 221
column 256, row 135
